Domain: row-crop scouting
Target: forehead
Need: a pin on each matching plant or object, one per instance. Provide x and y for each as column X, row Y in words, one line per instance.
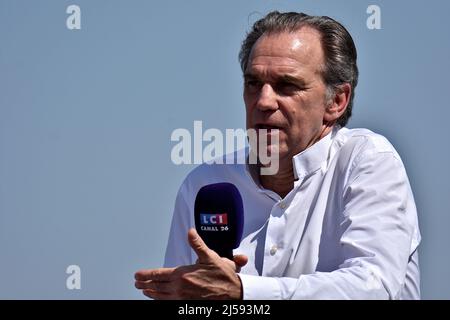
column 298, row 52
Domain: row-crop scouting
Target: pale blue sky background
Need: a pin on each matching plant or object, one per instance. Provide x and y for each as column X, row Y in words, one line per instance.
column 86, row 117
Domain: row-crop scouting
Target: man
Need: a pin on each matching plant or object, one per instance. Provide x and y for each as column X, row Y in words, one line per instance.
column 338, row 219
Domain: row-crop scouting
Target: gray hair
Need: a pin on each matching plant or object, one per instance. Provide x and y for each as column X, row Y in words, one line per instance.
column 339, row 49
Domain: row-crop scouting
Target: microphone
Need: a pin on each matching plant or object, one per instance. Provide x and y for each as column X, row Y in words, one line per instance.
column 219, row 217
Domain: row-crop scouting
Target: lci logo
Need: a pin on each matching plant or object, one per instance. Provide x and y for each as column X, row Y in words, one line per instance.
column 213, row 219
column 209, row 222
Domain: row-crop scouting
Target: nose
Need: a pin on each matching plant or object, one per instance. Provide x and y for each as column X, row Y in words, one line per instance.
column 267, row 98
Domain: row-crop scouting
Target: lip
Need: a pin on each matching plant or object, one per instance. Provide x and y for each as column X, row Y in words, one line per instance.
column 268, row 126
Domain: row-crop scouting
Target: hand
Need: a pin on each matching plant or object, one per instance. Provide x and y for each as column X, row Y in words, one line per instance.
column 212, row 277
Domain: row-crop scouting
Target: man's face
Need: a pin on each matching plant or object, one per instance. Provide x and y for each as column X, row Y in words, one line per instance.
column 284, row 89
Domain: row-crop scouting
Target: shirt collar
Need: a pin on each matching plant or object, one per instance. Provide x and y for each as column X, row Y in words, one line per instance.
column 304, row 163
column 313, row 158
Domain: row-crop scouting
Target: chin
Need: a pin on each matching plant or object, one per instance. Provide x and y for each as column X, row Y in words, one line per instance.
column 281, row 150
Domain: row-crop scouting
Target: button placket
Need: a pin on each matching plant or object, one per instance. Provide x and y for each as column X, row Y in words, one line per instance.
column 274, row 238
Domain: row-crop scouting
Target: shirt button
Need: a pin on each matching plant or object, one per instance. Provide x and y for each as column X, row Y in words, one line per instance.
column 282, row 205
column 273, row 250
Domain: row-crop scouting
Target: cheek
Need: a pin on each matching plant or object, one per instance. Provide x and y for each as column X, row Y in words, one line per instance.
column 248, row 117
column 293, row 112
column 249, row 109
column 247, row 97
column 302, row 119
column 305, row 111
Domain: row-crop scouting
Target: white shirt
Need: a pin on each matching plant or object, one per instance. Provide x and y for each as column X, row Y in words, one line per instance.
column 347, row 230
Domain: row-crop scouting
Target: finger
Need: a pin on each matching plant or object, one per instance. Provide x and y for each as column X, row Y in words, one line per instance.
column 161, row 287
column 158, row 295
column 199, row 246
column 161, row 274
column 240, row 260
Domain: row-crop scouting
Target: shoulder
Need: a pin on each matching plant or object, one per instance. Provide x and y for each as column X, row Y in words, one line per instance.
column 361, row 150
column 363, row 142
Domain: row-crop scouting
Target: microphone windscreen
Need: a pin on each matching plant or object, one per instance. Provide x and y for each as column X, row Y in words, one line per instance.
column 219, row 217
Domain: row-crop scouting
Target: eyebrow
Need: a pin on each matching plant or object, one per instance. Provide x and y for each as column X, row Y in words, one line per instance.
column 285, row 77
column 249, row 75
column 291, row 79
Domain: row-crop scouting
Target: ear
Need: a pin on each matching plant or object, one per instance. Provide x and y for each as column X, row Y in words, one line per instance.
column 338, row 103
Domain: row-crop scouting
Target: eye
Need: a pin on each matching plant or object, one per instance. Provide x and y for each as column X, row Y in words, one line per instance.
column 252, row 84
column 287, row 88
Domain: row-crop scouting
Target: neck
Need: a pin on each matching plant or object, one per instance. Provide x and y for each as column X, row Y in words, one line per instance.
column 283, row 182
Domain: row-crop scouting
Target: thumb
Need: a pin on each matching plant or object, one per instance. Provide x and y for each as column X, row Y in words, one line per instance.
column 240, row 260
column 199, row 246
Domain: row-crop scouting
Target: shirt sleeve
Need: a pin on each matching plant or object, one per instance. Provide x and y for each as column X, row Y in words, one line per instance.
column 178, row 251
column 378, row 237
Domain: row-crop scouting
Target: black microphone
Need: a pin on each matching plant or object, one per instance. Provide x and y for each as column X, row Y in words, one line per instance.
column 219, row 217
